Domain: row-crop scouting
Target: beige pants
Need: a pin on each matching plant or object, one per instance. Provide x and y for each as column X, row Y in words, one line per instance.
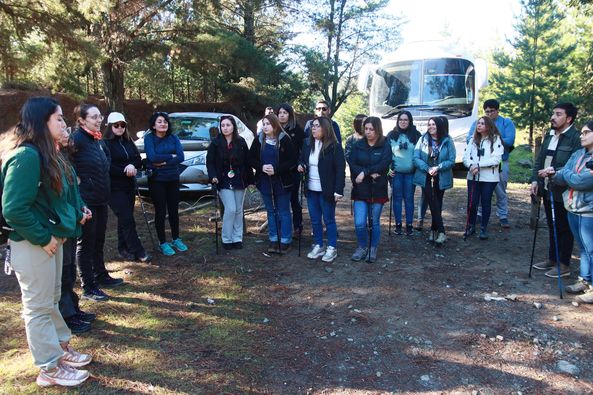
column 40, row 277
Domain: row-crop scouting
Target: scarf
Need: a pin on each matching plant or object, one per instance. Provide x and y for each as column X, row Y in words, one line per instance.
column 96, row 135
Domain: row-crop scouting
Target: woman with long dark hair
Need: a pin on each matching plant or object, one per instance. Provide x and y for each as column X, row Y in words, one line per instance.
column 91, row 161
column 402, row 140
column 322, row 160
column 164, row 153
column 482, row 157
column 434, row 158
column 274, row 159
column 39, row 203
column 369, row 164
column 356, row 135
column 125, row 162
column 290, row 125
column 229, row 169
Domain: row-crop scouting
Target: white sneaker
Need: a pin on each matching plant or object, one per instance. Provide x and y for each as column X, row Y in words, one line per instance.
column 316, row 252
column 63, row 375
column 330, row 254
column 76, row 359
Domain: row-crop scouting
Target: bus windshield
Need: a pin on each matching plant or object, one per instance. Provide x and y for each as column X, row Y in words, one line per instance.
column 424, row 87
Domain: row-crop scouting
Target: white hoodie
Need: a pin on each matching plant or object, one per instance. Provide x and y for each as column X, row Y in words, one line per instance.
column 488, row 162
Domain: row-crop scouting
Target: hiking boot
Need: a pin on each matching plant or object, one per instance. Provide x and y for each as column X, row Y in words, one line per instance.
column 471, row 230
column 578, row 287
column 504, row 223
column 95, row 294
column 431, row 236
column 238, row 245
column 398, row 229
column 74, row 358
column 483, row 234
column 564, row 271
column 372, row 257
column 76, row 325
column 419, row 224
column 297, row 232
column 545, row 265
column 86, row 317
column 409, row 230
column 441, row 238
column 331, row 253
column 359, row 254
column 227, row 246
column 167, row 250
column 126, row 256
column 284, row 247
column 62, row 375
column 106, row 281
column 587, row 297
column 273, row 247
column 316, row 252
column 177, row 243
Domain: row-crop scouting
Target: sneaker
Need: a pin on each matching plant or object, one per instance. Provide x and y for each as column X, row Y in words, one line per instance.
column 284, row 247
column 587, row 297
column 75, row 359
column 95, row 294
column 76, row 325
column 63, row 375
column 359, row 254
column 578, row 287
column 471, row 230
column 331, row 253
column 504, row 223
column 316, row 252
column 431, row 235
column 409, row 230
column 86, row 317
column 238, row 245
column 419, row 224
column 177, row 243
column 167, row 250
column 483, row 234
column 441, row 238
column 372, row 257
column 106, row 281
column 227, row 246
column 146, row 258
column 545, row 265
column 273, row 247
column 564, row 271
column 399, row 229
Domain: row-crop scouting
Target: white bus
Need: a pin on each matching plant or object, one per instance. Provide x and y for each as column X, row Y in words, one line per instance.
column 428, row 79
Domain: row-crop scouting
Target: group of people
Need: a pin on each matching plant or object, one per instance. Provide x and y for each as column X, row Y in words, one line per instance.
column 57, row 188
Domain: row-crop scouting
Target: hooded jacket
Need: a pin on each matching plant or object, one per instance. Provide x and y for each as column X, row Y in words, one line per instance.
column 488, row 161
column 370, row 160
column 91, row 160
column 445, row 162
column 402, row 145
column 123, row 152
column 286, row 155
column 578, row 178
column 220, row 159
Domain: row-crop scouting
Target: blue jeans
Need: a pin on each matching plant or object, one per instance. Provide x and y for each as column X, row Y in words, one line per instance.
column 361, row 209
column 582, row 229
column 403, row 189
column 281, row 216
column 480, row 193
column 320, row 207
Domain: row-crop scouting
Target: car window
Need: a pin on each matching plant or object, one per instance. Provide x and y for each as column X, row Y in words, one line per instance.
column 194, row 128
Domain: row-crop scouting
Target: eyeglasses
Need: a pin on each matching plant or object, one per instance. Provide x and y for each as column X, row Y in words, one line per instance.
column 315, row 126
column 96, row 117
column 119, row 125
column 321, row 108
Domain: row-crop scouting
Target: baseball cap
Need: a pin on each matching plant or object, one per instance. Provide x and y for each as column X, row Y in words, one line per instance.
column 115, row 117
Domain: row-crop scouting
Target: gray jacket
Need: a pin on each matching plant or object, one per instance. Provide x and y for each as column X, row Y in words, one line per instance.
column 580, row 182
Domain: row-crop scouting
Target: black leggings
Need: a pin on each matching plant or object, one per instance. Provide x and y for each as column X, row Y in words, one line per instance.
column 165, row 197
column 434, row 195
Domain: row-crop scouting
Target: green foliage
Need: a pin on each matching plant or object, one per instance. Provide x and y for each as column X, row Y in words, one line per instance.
column 356, row 104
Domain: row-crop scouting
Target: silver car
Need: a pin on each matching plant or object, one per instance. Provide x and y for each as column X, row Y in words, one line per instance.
column 195, row 130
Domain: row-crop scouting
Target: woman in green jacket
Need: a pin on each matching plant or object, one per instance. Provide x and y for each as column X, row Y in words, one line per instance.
column 42, row 210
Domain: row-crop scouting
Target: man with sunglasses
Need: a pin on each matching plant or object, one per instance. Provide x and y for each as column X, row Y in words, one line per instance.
column 322, row 109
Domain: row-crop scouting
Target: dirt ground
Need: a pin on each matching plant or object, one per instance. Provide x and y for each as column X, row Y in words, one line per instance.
column 414, row 322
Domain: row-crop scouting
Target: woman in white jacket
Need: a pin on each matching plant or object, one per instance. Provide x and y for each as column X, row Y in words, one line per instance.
column 482, row 157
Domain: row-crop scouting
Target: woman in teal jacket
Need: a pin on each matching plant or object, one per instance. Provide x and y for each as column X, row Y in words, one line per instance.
column 40, row 204
column 434, row 157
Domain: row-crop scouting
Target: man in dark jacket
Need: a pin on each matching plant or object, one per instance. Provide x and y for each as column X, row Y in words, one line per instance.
column 557, row 147
column 322, row 109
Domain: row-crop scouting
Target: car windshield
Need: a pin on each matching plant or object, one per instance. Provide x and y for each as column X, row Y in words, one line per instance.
column 194, row 128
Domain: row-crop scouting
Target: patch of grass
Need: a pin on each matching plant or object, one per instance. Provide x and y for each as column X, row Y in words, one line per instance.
column 519, row 173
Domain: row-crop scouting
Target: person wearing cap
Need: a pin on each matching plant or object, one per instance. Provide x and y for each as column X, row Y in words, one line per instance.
column 125, row 161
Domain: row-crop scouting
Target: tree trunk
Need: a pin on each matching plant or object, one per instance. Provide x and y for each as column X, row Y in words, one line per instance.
column 113, row 85
column 249, row 21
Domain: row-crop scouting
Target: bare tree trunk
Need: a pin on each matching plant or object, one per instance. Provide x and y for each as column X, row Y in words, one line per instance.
column 113, row 85
column 249, row 21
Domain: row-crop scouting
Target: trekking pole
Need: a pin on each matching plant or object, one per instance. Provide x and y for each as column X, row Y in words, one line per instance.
column 391, row 206
column 539, row 204
column 275, row 214
column 143, row 209
column 555, row 240
column 370, row 221
column 469, row 207
column 216, row 206
column 301, row 203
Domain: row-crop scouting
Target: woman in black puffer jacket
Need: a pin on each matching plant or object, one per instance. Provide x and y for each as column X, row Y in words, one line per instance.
column 125, row 161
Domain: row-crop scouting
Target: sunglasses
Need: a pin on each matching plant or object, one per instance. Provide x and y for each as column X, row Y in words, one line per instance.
column 120, row 125
column 321, row 108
